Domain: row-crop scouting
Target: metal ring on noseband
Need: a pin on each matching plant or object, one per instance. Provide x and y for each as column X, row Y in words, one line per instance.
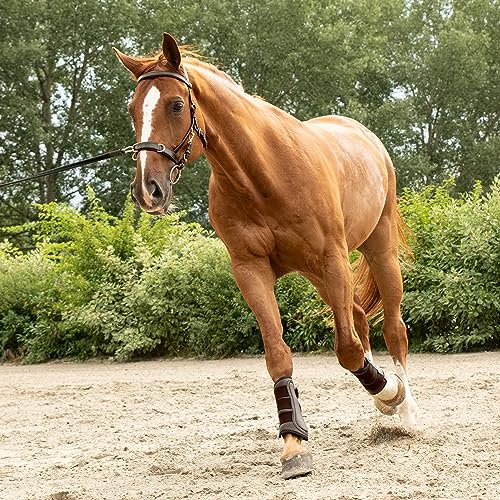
column 178, row 171
column 157, row 148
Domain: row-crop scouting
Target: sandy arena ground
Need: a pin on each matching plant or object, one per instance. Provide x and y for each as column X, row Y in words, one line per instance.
column 208, row 430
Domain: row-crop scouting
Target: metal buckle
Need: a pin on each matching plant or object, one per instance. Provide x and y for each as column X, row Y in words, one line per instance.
column 128, row 150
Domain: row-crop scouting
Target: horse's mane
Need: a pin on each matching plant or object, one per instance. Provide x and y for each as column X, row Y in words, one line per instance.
column 157, row 58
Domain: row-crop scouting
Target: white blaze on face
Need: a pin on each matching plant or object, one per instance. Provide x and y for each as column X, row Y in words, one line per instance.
column 148, row 107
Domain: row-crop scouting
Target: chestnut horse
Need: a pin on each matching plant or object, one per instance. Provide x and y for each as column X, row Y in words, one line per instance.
column 284, row 196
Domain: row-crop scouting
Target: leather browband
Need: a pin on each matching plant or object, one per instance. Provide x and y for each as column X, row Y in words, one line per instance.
column 169, row 74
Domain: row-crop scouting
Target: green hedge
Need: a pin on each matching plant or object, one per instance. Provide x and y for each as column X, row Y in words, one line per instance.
column 452, row 300
column 100, row 286
column 97, row 285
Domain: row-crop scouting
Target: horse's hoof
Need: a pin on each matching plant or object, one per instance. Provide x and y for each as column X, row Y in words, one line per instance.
column 383, row 408
column 408, row 412
column 299, row 465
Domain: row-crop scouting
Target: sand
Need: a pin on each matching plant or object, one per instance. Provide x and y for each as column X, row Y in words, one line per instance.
column 197, row 429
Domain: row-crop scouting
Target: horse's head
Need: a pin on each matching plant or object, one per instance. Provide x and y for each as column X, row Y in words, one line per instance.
column 167, row 124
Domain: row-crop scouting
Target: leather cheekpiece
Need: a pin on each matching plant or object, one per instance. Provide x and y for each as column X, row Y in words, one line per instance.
column 289, row 410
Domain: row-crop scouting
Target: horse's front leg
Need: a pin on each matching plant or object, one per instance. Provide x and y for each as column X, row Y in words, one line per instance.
column 256, row 280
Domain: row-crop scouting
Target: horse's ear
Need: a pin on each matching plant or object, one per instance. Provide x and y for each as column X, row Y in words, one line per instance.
column 133, row 65
column 171, row 50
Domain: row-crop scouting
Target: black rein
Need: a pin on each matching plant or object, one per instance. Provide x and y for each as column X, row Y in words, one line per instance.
column 171, row 154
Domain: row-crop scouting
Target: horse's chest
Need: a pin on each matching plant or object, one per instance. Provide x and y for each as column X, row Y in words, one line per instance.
column 293, row 231
column 290, row 242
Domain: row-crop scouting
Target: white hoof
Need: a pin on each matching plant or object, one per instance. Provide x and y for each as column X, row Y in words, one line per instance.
column 383, row 408
column 408, row 409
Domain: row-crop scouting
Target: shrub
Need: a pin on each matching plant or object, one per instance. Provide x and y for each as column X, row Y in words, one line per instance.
column 452, row 300
column 139, row 286
column 100, row 285
column 307, row 324
column 32, row 310
column 184, row 302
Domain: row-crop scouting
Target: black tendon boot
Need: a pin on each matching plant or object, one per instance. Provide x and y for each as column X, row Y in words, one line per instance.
column 289, row 411
column 292, row 422
column 371, row 378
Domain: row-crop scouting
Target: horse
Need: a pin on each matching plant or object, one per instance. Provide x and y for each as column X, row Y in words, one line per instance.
column 284, row 196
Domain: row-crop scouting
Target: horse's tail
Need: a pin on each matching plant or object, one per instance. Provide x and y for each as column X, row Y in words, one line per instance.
column 367, row 294
column 365, row 286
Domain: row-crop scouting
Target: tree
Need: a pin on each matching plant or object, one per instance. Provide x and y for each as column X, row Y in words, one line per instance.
column 446, row 97
column 62, row 98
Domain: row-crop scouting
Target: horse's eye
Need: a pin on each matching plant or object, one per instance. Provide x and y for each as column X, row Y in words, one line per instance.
column 177, row 106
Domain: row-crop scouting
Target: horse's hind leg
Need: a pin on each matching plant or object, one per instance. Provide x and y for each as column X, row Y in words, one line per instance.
column 357, row 348
column 381, row 252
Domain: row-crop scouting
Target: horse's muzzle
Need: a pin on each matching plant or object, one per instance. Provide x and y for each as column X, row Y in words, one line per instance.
column 151, row 197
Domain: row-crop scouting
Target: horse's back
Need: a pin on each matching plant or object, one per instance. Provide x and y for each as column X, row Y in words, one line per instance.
column 348, row 131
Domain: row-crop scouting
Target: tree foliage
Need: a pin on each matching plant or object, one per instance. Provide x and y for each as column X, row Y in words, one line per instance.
column 446, row 67
column 61, row 98
column 422, row 74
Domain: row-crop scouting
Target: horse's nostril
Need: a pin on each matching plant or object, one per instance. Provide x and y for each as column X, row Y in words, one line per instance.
column 155, row 190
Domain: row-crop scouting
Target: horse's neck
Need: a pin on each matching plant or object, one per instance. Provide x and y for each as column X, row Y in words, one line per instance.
column 245, row 134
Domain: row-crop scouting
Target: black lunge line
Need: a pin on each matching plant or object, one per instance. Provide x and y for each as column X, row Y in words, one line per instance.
column 70, row 166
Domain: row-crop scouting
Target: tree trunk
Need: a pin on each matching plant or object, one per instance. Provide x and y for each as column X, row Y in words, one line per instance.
column 48, row 186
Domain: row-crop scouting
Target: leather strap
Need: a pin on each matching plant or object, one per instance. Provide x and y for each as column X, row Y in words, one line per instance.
column 168, row 74
column 70, row 166
column 157, row 148
column 289, row 410
column 371, row 378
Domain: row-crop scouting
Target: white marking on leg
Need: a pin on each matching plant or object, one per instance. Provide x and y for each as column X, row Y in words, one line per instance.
column 407, row 410
column 148, row 107
column 391, row 387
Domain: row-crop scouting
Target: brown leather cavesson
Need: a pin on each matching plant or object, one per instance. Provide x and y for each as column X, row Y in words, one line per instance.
column 371, row 378
column 289, row 410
